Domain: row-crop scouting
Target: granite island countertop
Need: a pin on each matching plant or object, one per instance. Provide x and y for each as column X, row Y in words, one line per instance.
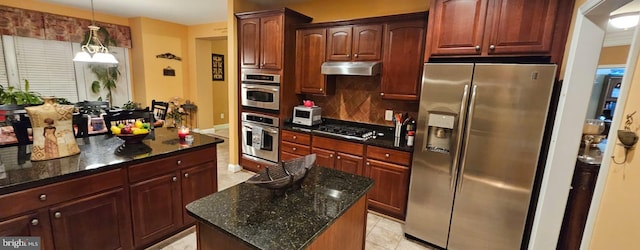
column 266, row 220
column 97, row 154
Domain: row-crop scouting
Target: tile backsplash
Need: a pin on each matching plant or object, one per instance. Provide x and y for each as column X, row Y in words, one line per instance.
column 357, row 98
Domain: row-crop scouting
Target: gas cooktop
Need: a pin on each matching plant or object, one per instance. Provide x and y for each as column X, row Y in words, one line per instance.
column 345, row 131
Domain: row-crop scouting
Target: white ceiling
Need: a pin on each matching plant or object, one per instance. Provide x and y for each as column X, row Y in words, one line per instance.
column 186, row 12
column 618, row 37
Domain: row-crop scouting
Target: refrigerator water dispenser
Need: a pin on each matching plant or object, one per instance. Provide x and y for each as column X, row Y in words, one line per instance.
column 440, row 127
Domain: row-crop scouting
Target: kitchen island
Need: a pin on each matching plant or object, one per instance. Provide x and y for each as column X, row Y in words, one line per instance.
column 109, row 196
column 328, row 211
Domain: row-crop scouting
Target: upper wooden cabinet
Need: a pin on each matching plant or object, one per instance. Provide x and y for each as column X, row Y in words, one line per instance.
column 492, row 27
column 310, row 54
column 262, row 37
column 354, row 43
column 402, row 61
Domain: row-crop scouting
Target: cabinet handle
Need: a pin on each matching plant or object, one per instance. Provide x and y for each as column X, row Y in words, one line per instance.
column 356, row 55
column 35, row 222
column 174, row 179
column 179, row 162
column 43, row 197
column 258, row 166
column 368, row 163
column 492, row 47
column 320, row 89
column 294, row 149
column 295, row 137
column 331, row 156
column 477, row 47
column 338, row 157
column 386, row 155
column 57, row 215
column 348, row 55
column 381, row 94
column 186, row 175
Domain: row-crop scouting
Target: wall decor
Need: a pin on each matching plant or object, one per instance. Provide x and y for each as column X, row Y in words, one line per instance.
column 168, row 71
column 217, row 67
column 169, row 56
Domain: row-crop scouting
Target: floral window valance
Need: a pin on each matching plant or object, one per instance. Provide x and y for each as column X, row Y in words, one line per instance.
column 34, row 24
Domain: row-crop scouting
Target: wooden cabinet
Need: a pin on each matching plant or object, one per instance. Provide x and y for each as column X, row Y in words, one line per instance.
column 161, row 189
column 390, row 171
column 354, row 43
column 100, row 221
column 402, row 61
column 310, row 54
column 492, row 27
column 84, row 213
column 294, row 145
column 261, row 42
column 338, row 154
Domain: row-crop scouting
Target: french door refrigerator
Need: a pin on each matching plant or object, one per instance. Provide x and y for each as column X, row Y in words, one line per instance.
column 477, row 146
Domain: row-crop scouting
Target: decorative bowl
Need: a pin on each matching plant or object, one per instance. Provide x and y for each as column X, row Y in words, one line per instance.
column 131, row 138
column 284, row 174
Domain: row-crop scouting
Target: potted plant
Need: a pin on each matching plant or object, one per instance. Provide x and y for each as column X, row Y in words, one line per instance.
column 18, row 97
column 107, row 78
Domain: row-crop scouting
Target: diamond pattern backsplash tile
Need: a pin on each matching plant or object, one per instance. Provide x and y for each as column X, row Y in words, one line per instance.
column 357, row 98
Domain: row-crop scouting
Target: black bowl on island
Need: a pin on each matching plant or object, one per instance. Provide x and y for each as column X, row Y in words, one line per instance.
column 132, row 138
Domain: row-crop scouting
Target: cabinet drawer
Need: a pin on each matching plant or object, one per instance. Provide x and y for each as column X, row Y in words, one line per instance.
column 338, row 145
column 295, row 148
column 254, row 164
column 389, row 155
column 169, row 164
column 296, row 137
column 30, row 199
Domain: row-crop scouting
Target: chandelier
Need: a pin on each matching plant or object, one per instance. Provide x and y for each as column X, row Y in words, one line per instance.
column 93, row 51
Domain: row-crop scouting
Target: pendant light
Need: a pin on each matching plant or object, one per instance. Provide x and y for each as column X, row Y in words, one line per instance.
column 93, row 51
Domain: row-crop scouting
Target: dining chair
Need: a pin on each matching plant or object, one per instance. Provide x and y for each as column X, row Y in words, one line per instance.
column 159, row 110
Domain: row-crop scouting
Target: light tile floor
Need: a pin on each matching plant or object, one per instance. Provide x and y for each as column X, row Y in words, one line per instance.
column 382, row 233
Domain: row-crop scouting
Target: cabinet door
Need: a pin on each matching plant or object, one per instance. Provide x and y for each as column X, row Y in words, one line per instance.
column 197, row 182
column 96, row 222
column 349, row 163
column 339, row 43
column 520, row 26
column 389, row 192
column 32, row 224
column 156, row 207
column 285, row 156
column 402, row 70
column 367, row 42
column 310, row 54
column 325, row 158
column 249, row 43
column 271, row 42
column 457, row 27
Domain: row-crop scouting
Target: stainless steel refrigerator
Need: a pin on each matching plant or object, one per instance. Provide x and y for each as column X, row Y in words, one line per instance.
column 480, row 130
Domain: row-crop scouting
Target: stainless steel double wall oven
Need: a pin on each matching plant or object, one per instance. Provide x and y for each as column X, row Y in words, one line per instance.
column 260, row 95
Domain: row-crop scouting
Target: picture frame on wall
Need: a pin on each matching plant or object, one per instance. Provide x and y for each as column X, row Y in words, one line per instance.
column 217, row 67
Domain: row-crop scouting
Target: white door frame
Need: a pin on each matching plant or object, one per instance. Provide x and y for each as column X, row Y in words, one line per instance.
column 584, row 52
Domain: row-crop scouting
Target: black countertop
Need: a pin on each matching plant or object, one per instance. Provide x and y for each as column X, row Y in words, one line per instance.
column 266, row 220
column 97, row 154
column 385, row 141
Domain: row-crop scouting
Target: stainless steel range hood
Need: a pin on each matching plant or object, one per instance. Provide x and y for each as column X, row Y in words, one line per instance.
column 351, row 68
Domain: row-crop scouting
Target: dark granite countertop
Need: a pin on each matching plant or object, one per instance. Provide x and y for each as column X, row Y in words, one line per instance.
column 386, row 141
column 292, row 220
column 97, row 154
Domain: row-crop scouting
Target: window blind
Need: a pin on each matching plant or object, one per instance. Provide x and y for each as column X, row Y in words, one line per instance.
column 48, row 65
column 4, row 80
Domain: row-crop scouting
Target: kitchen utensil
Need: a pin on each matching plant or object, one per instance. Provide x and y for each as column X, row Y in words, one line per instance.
column 308, row 103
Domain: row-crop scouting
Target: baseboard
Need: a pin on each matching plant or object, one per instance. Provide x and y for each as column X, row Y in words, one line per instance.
column 234, row 168
column 221, row 126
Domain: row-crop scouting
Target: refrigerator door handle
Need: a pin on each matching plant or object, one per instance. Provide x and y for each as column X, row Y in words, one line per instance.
column 472, row 107
column 453, row 171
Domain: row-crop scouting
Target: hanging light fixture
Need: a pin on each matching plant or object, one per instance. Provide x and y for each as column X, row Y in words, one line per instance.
column 93, row 51
column 625, row 20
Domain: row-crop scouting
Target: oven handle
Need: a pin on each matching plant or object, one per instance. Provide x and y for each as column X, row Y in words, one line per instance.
column 267, row 129
column 255, row 87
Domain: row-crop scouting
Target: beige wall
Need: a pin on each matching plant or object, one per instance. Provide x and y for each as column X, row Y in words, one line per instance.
column 220, row 93
column 614, row 55
column 618, row 223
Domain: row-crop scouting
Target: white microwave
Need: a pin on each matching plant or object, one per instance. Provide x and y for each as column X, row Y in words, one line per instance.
column 307, row 116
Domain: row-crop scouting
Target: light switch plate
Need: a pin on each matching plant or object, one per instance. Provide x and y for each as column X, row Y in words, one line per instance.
column 388, row 115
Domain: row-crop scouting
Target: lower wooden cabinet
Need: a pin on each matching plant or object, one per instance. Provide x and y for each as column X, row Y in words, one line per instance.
column 325, row 158
column 349, row 163
column 99, row 221
column 155, row 207
column 389, row 192
column 197, row 182
column 35, row 223
column 338, row 154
